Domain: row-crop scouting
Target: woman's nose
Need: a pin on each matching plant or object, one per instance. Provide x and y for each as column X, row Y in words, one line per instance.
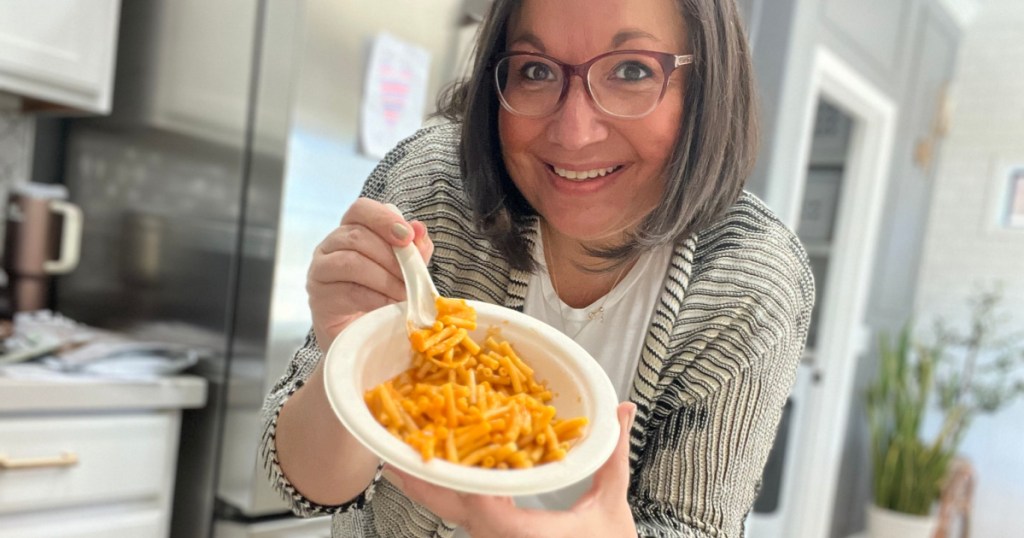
column 578, row 122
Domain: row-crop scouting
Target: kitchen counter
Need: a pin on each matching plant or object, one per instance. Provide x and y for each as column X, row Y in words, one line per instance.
column 32, row 395
column 91, row 457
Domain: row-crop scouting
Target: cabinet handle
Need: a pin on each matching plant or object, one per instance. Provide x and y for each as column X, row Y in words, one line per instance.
column 66, row 459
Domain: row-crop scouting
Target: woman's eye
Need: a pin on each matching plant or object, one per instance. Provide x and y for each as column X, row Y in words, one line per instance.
column 536, row 71
column 632, row 71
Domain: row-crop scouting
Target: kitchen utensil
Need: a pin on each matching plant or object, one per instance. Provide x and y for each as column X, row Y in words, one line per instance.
column 420, row 292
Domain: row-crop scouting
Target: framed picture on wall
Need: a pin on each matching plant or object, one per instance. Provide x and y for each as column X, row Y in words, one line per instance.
column 1014, row 217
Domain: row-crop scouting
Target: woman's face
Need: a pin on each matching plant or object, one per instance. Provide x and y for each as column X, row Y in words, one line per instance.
column 578, row 137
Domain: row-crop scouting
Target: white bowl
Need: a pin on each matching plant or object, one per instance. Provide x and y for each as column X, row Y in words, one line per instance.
column 376, row 348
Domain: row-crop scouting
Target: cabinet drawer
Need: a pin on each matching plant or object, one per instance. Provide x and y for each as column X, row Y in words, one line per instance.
column 116, row 457
column 133, row 522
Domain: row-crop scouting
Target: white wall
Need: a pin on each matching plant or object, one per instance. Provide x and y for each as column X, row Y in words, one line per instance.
column 337, row 50
column 964, row 245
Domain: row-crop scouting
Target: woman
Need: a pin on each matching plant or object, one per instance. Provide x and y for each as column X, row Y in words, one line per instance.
column 593, row 179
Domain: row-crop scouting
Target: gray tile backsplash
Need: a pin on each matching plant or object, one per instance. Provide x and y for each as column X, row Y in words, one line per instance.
column 17, row 137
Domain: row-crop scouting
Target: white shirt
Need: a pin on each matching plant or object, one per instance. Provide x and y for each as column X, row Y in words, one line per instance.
column 627, row 308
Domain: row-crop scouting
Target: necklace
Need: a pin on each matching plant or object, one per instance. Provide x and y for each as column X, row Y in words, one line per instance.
column 594, row 314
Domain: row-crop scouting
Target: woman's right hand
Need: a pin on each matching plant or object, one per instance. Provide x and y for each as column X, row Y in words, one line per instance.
column 354, row 269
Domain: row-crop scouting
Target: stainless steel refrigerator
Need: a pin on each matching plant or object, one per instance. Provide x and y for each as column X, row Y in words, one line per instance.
column 231, row 151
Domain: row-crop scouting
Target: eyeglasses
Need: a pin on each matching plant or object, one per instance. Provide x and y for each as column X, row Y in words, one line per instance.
column 623, row 83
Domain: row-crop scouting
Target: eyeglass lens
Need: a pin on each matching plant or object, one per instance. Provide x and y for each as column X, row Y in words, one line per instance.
column 626, row 85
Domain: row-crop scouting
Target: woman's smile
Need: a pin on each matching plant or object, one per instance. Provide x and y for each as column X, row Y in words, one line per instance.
column 582, row 173
column 590, row 175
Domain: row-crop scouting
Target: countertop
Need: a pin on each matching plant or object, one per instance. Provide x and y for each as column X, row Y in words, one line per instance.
column 33, row 395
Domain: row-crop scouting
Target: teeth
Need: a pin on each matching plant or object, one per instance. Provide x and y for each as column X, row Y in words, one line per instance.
column 583, row 174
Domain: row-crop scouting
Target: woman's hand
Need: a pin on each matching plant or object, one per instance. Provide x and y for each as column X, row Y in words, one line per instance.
column 354, row 269
column 602, row 511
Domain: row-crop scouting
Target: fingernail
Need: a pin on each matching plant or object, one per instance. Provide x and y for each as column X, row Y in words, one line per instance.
column 400, row 230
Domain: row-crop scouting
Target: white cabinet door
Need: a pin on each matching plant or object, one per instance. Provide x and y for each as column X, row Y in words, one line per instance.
column 122, row 521
column 201, row 66
column 65, row 461
column 60, row 51
column 87, row 475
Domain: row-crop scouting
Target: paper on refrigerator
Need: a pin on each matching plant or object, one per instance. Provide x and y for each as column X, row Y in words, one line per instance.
column 395, row 94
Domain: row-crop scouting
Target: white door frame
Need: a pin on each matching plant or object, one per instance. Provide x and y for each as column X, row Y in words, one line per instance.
column 811, row 480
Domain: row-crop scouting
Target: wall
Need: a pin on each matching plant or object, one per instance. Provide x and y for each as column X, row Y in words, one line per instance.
column 17, row 136
column 337, row 56
column 987, row 134
column 908, row 50
column 917, row 72
column 965, row 247
column 783, row 40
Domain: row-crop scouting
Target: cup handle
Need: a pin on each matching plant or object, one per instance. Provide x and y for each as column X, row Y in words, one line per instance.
column 70, row 238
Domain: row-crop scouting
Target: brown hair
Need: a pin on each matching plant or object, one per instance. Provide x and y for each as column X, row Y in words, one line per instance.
column 715, row 151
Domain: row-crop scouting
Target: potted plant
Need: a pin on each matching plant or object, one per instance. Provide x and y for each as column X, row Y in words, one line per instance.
column 952, row 378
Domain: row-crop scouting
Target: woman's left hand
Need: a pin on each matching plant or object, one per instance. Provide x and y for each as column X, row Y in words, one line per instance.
column 601, row 511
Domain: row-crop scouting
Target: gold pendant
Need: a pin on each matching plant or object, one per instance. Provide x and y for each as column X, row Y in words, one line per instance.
column 596, row 314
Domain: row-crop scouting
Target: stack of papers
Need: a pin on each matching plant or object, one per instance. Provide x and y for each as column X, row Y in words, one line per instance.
column 44, row 342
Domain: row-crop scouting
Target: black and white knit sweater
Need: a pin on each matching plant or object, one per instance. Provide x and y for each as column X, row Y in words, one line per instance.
column 718, row 361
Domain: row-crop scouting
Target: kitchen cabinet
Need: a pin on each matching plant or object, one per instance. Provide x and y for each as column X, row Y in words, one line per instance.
column 204, row 62
column 60, row 52
column 192, row 67
column 90, row 459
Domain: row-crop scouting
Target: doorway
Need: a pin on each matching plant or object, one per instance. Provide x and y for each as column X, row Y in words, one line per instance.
column 834, row 201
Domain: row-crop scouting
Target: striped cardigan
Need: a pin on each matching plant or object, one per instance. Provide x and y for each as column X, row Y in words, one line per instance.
column 717, row 364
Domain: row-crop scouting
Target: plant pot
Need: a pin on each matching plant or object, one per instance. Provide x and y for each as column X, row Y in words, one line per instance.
column 885, row 523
